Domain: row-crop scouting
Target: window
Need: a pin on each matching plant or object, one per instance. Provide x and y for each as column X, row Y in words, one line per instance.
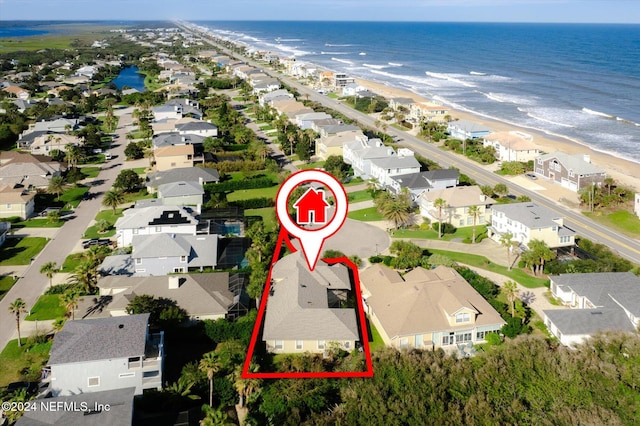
column 461, row 222
column 183, row 258
column 347, row 345
column 299, row 344
column 469, row 221
column 571, row 174
column 8, row 206
column 539, row 160
column 448, row 339
column 565, row 239
column 158, row 228
column 404, row 343
column 321, row 344
column 463, row 317
column 93, row 381
column 178, row 270
column 173, row 164
column 138, row 261
column 463, row 337
column 125, row 375
column 419, row 340
column 135, row 231
column 279, row 344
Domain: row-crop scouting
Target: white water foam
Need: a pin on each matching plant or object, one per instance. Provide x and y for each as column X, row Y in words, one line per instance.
column 508, row 98
column 394, row 64
column 598, row 113
column 454, row 78
column 362, row 53
column 338, row 45
column 376, row 67
column 333, row 53
column 418, row 80
column 344, row 61
column 477, row 73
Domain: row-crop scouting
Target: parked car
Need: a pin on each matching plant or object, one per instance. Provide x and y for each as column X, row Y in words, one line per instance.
column 96, row 242
column 531, row 176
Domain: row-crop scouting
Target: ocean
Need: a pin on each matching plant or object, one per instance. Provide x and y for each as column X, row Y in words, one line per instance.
column 580, row 81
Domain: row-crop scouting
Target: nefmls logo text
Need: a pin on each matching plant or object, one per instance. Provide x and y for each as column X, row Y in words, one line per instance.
column 72, row 406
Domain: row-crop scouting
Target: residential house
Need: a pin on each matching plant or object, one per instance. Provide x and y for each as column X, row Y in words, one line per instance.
column 201, row 175
column 512, row 146
column 318, row 125
column 426, row 309
column 332, row 145
column 427, row 112
column 352, row 89
column 26, row 170
column 332, row 128
column 636, row 204
column 59, row 125
column 200, row 128
column 181, row 194
column 305, row 121
column 17, row 92
column 16, row 202
column 175, row 156
column 290, row 107
column 384, row 169
column 530, row 221
column 397, row 104
column 465, row 129
column 360, row 152
column 304, row 308
column 341, row 80
column 176, row 139
column 46, row 143
column 264, row 85
column 457, row 203
column 106, row 354
column 113, row 408
column 154, row 220
column 417, row 183
column 170, row 125
column 266, row 98
column 204, row 296
column 574, row 172
column 605, row 301
column 167, row 112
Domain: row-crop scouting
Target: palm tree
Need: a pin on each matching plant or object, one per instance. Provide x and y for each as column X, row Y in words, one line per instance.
column 17, row 308
column 474, row 212
column 398, row 210
column 215, row 417
column 440, row 204
column 542, row 251
column 113, row 199
column 85, row 275
column 49, row 269
column 511, row 291
column 507, row 242
column 58, row 324
column 210, row 363
column 245, row 387
column 70, row 300
column 609, row 182
column 56, row 186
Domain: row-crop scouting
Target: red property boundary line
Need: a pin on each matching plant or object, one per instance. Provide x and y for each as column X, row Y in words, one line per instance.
column 284, row 237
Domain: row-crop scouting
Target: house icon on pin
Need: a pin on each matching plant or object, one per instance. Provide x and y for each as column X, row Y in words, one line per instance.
column 311, row 207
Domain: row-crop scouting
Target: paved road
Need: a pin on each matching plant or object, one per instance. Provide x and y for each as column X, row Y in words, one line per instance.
column 32, row 283
column 625, row 246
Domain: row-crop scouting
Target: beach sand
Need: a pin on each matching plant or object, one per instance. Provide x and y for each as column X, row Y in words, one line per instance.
column 623, row 171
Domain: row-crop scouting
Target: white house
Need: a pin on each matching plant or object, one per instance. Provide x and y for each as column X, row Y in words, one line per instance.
column 360, row 152
column 606, row 301
column 198, row 127
column 383, row 169
column 636, row 205
column 457, row 203
column 105, row 354
column 465, row 129
column 512, row 146
column 154, row 220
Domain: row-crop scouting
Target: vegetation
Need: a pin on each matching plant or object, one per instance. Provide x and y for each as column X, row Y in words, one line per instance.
column 608, row 196
column 396, row 209
column 621, row 220
column 128, row 181
column 49, row 269
column 23, row 362
column 17, row 308
column 48, row 307
column 473, row 149
column 163, row 312
column 20, row 251
column 595, row 258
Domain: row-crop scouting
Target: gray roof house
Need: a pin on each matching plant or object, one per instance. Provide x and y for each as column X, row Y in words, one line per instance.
column 113, row 408
column 303, row 307
column 606, row 301
column 175, row 138
column 181, row 193
column 183, row 174
column 203, row 296
column 106, row 354
column 417, row 183
column 200, row 128
column 574, row 172
column 157, row 219
column 383, row 169
column 466, row 129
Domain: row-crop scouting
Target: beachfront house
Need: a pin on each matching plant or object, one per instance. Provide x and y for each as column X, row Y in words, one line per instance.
column 466, row 129
column 456, row 211
column 359, row 153
column 530, row 221
column 426, row 309
column 636, row 204
column 307, row 311
column 101, row 354
column 400, row 104
column 574, row 172
column 512, row 146
column 606, row 301
column 426, row 111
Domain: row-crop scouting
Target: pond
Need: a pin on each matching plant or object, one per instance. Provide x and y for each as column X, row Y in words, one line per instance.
column 130, row 77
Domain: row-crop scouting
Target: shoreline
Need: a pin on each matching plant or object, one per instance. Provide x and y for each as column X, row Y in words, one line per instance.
column 624, row 171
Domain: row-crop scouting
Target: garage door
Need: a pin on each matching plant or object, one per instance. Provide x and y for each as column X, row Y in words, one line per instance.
column 566, row 183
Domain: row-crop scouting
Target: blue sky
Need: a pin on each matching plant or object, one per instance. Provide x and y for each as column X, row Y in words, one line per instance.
column 597, row 11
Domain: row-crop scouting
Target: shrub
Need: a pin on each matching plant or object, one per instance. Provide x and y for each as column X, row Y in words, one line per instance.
column 254, row 203
column 234, row 185
column 447, row 228
column 61, row 288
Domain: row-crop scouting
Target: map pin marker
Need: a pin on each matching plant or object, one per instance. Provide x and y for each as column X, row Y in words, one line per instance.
column 312, row 209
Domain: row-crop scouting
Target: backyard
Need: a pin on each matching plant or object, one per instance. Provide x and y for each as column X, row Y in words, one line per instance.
column 23, row 363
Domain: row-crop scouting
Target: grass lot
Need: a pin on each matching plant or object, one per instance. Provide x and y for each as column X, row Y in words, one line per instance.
column 17, row 359
column 245, row 194
column 38, row 223
column 358, row 196
column 71, row 262
column 6, row 283
column 354, row 182
column 482, row 262
column 429, row 234
column 375, row 341
column 399, row 127
column 48, row 307
column 267, row 215
column 92, row 231
column 135, row 196
column 91, row 171
column 16, row 251
column 316, row 165
column 73, row 195
column 140, row 170
column 366, row 215
column 35, row 43
column 332, row 95
column 622, row 221
column 266, row 127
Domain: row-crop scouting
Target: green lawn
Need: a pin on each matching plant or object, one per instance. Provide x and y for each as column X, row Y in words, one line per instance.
column 267, row 215
column 464, row 234
column 48, row 307
column 91, row 171
column 316, row 165
column 622, row 221
column 366, row 215
column 38, row 223
column 130, row 197
column 16, row 251
column 245, row 194
column 261, row 173
column 17, row 359
column 109, row 216
column 354, row 182
column 482, row 262
column 140, row 170
column 266, row 127
column 375, row 340
column 358, row 196
column 73, row 195
column 332, row 95
column 6, row 283
column 71, row 262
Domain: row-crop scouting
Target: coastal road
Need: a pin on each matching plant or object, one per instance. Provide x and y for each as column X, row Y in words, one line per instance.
column 32, row 284
column 620, row 243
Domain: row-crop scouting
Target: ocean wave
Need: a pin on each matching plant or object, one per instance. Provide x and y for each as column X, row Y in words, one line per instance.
column 362, row 53
column 418, row 80
column 477, row 73
column 333, row 53
column 289, row 39
column 344, row 61
column 454, row 78
column 394, row 64
column 508, row 98
column 598, row 113
column 376, row 67
column 546, row 120
column 337, row 45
